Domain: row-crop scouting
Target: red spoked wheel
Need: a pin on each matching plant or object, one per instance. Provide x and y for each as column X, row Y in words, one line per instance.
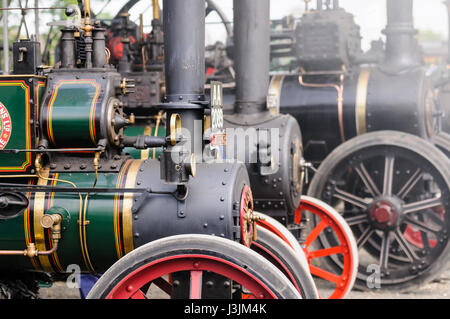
column 151, row 264
column 322, row 219
column 281, row 254
column 284, row 234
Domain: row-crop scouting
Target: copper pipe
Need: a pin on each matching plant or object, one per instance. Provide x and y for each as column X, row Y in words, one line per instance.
column 51, row 251
column 340, row 90
column 48, row 221
column 13, row 252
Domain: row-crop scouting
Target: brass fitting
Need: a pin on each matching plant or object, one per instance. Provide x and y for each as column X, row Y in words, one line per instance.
column 38, row 163
column 47, row 221
column 132, row 119
column 54, row 223
column 126, row 85
column 96, row 160
column 31, row 251
column 156, row 10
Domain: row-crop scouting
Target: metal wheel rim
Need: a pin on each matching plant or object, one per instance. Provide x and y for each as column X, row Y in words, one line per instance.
column 417, row 266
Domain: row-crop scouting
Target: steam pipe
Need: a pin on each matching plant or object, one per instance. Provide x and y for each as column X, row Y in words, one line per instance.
column 98, row 47
column 213, row 6
column 252, row 54
column 67, row 48
column 401, row 46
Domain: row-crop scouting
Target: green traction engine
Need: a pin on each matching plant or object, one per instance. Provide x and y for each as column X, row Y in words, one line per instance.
column 69, row 192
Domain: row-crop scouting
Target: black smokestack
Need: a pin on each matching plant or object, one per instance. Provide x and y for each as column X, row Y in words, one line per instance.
column 402, row 50
column 184, row 41
column 252, row 54
column 184, row 47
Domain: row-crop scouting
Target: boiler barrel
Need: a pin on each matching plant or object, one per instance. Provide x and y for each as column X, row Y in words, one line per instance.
column 372, row 101
column 118, row 222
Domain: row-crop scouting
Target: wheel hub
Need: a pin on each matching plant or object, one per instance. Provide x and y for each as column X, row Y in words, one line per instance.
column 385, row 213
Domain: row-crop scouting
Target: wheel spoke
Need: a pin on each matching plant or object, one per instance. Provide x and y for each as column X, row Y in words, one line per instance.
column 324, row 274
column 355, row 220
column 434, row 217
column 326, row 252
column 388, row 175
column 162, row 284
column 421, row 225
column 384, row 253
column 422, row 205
column 367, row 180
column 405, row 246
column 195, row 291
column 424, row 235
column 414, row 179
column 315, row 232
column 350, row 198
column 425, row 240
column 364, row 237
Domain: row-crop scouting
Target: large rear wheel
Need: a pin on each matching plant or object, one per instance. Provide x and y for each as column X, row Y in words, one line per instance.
column 197, row 255
column 392, row 189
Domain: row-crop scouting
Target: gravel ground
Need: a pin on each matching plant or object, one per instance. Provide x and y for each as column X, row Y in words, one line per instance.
column 438, row 289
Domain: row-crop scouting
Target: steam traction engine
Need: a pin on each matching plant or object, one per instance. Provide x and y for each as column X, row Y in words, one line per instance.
column 392, row 187
column 276, row 175
column 71, row 196
column 274, row 154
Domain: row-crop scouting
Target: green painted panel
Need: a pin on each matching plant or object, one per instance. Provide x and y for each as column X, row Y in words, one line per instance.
column 70, row 113
column 15, row 113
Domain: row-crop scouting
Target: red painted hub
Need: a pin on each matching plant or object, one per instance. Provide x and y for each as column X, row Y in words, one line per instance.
column 246, row 216
column 384, row 214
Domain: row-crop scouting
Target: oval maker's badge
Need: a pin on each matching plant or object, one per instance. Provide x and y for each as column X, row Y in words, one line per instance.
column 5, row 126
